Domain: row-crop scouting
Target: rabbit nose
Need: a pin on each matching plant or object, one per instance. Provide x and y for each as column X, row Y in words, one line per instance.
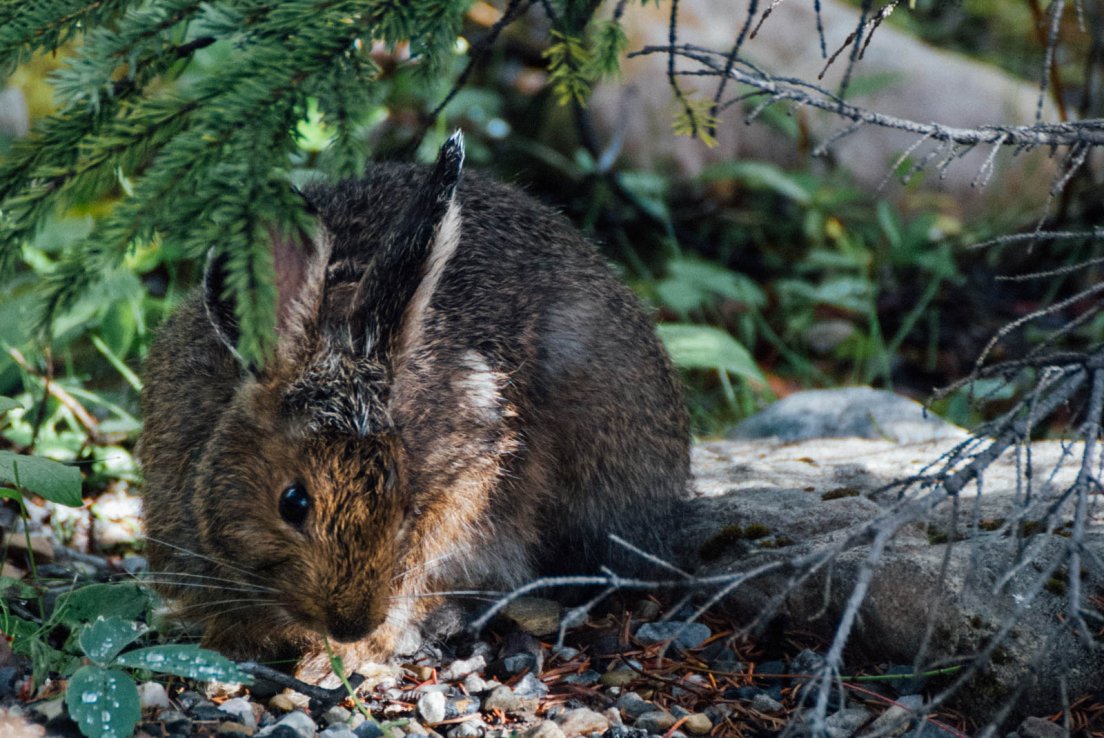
column 349, row 629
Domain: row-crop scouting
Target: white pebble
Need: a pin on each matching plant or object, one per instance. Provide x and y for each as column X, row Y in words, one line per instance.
column 153, row 696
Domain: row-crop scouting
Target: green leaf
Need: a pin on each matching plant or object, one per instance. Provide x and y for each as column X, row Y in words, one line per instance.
column 104, row 702
column 185, row 660
column 706, row 347
column 49, row 479
column 692, row 283
column 103, row 639
column 758, row 175
column 7, row 403
column 124, row 601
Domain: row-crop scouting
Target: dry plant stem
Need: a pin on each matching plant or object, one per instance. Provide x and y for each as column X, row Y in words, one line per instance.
column 85, row 418
column 781, row 89
column 322, row 695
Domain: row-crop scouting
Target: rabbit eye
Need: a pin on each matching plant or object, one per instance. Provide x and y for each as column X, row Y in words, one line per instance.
column 295, row 503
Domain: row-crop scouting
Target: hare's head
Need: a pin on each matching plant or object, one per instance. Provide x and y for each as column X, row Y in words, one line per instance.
column 302, row 487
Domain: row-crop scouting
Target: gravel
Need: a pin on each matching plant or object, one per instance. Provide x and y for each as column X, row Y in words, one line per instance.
column 686, row 635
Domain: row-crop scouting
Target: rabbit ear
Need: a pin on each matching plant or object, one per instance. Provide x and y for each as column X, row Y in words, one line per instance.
column 299, row 263
column 412, row 256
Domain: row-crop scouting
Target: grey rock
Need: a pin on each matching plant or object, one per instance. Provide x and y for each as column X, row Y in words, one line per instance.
column 655, row 721
column 336, row 715
column 808, row 496
column 582, row 722
column 296, row 722
column 687, row 635
column 280, row 731
column 175, row 721
column 467, row 729
column 337, row 731
column 586, row 678
column 152, row 696
column 544, row 729
column 241, row 710
column 852, row 412
column 622, row 731
column 1037, row 727
column 530, row 686
column 846, row 722
column 431, row 707
column 765, row 703
column 633, row 705
column 460, row 706
column 231, row 729
column 473, row 684
column 534, row 615
column 462, row 668
column 368, row 729
column 698, row 724
column 503, row 698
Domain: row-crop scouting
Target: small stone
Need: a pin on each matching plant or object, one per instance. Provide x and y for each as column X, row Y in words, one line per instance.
column 230, row 729
column 48, row 709
column 474, row 684
column 846, row 722
column 687, row 635
column 461, row 706
column 368, row 729
column 281, row 703
column 209, row 713
column 618, row 677
column 337, row 731
column 467, row 729
column 544, row 729
column 656, row 721
column 1037, row 727
column 585, row 679
column 219, row 691
column 698, row 724
column 175, row 721
column 621, row 731
column 462, row 668
column 431, row 707
column 190, row 699
column 893, row 721
column 530, row 686
column 503, row 698
column 613, row 716
column 336, row 715
column 242, row 710
column 766, row 704
column 582, row 722
column 534, row 615
column 297, row 722
column 565, row 653
column 278, row 731
column 153, row 696
column 633, row 705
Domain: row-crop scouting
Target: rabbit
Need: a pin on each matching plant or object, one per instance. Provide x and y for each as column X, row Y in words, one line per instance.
column 462, row 396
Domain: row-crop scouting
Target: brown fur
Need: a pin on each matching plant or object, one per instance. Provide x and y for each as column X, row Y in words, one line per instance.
column 531, row 412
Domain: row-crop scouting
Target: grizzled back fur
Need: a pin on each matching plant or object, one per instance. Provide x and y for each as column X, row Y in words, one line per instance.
column 462, row 396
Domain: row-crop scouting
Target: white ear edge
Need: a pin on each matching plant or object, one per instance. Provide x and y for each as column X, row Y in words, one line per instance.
column 304, row 307
column 445, row 242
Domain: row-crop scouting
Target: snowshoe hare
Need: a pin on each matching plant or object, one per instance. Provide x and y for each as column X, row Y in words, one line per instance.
column 462, row 396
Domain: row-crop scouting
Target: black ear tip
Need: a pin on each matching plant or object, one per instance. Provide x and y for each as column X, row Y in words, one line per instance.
column 451, row 157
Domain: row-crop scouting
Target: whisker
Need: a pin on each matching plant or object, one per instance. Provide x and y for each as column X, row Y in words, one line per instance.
column 198, row 555
column 201, row 585
column 160, row 577
column 191, row 575
column 432, row 562
column 249, row 602
column 486, row 594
